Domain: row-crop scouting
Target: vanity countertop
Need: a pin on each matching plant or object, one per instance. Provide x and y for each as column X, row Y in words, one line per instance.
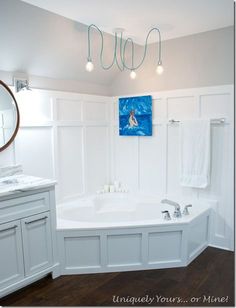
column 22, row 183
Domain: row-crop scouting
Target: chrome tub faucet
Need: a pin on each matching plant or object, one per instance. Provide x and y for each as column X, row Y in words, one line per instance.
column 185, row 211
column 177, row 212
column 167, row 215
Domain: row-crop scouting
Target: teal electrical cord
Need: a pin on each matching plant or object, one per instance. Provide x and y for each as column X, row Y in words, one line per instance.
column 123, row 50
column 145, row 50
column 101, row 52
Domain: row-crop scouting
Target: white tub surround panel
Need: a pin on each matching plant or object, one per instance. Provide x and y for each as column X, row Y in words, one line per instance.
column 96, row 235
column 151, row 164
column 128, row 249
column 27, row 231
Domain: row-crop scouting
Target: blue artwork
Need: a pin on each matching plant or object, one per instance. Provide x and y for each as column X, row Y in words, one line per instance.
column 135, row 116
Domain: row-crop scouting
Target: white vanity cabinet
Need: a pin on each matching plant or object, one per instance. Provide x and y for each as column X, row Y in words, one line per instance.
column 28, row 249
column 11, row 254
column 37, row 242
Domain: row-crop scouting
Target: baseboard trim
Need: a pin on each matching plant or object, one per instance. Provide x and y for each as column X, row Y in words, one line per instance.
column 221, row 247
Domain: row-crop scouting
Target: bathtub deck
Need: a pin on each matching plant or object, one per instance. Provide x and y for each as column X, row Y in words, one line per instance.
column 212, row 273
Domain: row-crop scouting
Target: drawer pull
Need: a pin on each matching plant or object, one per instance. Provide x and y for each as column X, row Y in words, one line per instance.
column 10, row 228
column 30, row 222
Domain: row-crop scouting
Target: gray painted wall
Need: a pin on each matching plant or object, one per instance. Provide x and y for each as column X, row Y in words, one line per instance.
column 42, row 44
column 200, row 60
column 40, row 82
column 52, row 51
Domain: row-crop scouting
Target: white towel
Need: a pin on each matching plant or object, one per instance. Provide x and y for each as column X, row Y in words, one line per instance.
column 195, row 153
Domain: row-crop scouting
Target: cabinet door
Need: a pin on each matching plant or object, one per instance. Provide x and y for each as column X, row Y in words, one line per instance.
column 11, row 255
column 37, row 243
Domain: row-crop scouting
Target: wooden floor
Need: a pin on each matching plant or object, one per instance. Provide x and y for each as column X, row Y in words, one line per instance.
column 209, row 277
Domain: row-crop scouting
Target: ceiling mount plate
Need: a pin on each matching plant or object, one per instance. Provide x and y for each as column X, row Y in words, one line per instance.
column 118, row 30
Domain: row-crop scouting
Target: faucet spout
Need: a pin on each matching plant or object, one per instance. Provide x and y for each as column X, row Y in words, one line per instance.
column 170, row 202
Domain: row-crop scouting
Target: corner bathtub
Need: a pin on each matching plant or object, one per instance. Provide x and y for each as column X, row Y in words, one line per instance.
column 120, row 232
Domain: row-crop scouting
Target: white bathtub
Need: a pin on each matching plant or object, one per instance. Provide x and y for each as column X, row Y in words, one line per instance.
column 117, row 232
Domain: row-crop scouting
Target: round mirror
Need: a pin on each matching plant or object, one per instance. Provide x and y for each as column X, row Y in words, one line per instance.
column 9, row 116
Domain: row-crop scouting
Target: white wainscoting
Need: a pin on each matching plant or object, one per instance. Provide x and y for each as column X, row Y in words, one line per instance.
column 151, row 164
column 63, row 136
column 74, row 139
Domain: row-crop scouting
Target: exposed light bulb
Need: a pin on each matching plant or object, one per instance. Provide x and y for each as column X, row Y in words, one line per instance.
column 159, row 68
column 133, row 75
column 89, row 66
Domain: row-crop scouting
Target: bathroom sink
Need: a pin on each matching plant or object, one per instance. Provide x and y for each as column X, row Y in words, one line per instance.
column 21, row 183
column 10, row 181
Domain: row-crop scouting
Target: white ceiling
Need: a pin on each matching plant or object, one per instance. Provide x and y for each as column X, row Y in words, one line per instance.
column 175, row 18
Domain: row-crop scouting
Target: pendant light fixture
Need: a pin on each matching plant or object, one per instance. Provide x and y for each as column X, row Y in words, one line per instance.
column 120, row 52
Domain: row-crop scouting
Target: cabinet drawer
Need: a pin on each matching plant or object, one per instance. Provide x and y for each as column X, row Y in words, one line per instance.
column 23, row 206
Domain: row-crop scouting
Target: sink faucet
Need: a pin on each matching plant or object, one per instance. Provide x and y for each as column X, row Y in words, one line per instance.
column 177, row 212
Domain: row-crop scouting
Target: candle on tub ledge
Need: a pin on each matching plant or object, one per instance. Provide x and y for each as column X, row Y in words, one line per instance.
column 116, row 186
column 106, row 188
column 112, row 188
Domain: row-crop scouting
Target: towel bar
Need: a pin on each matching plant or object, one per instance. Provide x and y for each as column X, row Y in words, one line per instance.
column 213, row 121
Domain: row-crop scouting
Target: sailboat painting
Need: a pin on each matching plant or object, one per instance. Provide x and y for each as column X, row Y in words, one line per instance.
column 135, row 116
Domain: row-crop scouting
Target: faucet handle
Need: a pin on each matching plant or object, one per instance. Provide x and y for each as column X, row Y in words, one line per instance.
column 167, row 215
column 185, row 211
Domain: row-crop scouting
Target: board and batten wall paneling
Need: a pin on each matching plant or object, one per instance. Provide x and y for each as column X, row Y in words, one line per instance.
column 63, row 136
column 69, row 110
column 70, row 162
column 96, row 157
column 82, row 144
column 126, row 157
column 152, row 160
column 185, row 107
column 151, row 164
column 75, row 139
column 7, row 157
column 33, row 150
column 220, row 104
column 35, row 107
